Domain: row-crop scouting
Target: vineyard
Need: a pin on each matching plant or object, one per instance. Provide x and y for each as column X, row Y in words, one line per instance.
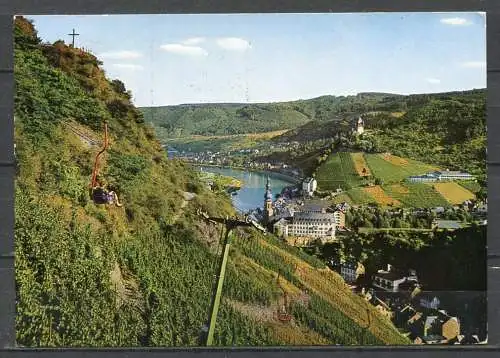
column 393, row 173
column 345, row 170
column 417, row 195
column 453, row 192
column 378, row 194
column 338, row 171
column 360, row 164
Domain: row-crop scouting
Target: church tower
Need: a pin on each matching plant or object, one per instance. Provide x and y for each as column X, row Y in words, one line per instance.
column 268, row 201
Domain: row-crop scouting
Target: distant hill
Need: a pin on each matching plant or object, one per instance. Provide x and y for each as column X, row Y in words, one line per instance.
column 223, row 118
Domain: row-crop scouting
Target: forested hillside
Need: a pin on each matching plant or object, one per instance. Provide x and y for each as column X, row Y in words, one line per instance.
column 142, row 274
column 224, row 119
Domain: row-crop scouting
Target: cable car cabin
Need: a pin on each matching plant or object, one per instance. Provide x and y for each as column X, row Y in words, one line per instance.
column 101, row 196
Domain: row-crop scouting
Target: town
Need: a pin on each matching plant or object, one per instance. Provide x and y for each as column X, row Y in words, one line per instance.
column 302, row 221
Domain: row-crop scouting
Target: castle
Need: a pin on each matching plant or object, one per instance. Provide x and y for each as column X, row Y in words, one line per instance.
column 360, row 126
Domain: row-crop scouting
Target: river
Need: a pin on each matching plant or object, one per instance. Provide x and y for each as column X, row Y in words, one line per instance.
column 251, row 195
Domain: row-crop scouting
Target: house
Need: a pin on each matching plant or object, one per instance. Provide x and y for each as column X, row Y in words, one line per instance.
column 453, row 175
column 429, row 301
column 446, row 224
column 339, row 217
column 442, row 324
column 439, row 324
column 309, row 186
column 350, row 271
column 389, row 280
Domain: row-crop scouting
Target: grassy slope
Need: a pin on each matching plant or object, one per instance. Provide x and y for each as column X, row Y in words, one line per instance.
column 143, row 277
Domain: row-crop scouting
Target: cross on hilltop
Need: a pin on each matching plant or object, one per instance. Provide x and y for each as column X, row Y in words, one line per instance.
column 73, row 34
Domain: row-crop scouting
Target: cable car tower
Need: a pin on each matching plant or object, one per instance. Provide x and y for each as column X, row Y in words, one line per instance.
column 230, row 225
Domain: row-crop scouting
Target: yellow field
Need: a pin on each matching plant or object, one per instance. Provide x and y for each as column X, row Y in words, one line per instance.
column 263, row 135
column 453, row 192
column 394, row 159
column 360, row 164
column 380, row 196
column 398, row 114
column 398, row 188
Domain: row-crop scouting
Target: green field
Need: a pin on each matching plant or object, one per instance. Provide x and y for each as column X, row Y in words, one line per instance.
column 472, row 186
column 417, row 195
column 392, row 173
column 338, row 171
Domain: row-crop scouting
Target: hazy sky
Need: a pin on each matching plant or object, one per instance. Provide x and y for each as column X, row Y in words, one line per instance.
column 173, row 59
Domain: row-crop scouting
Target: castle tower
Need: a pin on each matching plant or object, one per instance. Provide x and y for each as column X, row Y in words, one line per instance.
column 360, row 126
column 268, row 201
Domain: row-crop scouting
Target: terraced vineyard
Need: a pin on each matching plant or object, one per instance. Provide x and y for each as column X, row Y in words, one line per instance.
column 453, row 192
column 416, row 195
column 338, row 171
column 392, row 169
column 360, row 164
column 345, row 170
column 380, row 196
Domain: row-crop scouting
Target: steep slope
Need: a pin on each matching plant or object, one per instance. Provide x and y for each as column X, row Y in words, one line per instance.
column 142, row 274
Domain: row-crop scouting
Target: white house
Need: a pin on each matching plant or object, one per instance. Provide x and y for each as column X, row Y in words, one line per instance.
column 389, row 280
column 309, row 186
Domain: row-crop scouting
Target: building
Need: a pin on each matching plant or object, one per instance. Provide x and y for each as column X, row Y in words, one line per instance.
column 390, row 279
column 339, row 218
column 429, row 301
column 309, row 186
column 422, row 178
column 307, row 225
column 442, row 324
column 453, row 175
column 316, row 225
column 360, row 126
column 350, row 271
column 447, row 175
column 446, row 224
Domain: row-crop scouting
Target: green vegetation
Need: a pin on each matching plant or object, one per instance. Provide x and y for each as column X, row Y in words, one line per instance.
column 392, row 173
column 141, row 274
column 233, row 118
column 417, row 195
column 338, row 171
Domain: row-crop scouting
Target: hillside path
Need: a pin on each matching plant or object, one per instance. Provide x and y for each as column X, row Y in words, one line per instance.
column 188, row 196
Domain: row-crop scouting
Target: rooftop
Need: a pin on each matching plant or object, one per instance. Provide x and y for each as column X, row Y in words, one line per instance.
column 448, row 224
column 312, row 216
column 390, row 275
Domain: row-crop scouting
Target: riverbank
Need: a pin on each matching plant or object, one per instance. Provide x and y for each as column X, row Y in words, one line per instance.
column 285, row 177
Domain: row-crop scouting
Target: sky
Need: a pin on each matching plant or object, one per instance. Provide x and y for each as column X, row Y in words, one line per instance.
column 175, row 59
